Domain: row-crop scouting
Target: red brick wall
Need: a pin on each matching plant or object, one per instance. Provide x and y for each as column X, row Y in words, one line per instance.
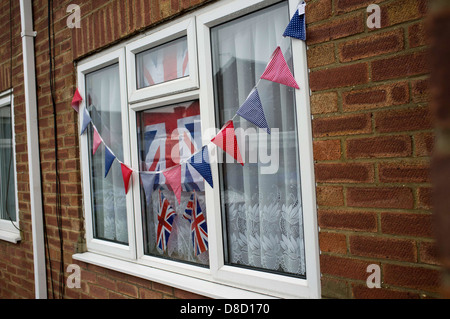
column 373, row 136
column 16, row 260
column 102, row 24
column 439, row 26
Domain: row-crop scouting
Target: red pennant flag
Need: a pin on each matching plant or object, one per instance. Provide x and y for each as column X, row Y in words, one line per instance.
column 76, row 100
column 278, row 71
column 173, row 178
column 96, row 141
column 226, row 140
column 126, row 174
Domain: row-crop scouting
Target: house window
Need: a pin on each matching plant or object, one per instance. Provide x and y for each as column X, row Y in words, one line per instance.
column 108, row 211
column 167, row 136
column 108, row 200
column 164, row 63
column 155, row 101
column 262, row 212
column 8, row 211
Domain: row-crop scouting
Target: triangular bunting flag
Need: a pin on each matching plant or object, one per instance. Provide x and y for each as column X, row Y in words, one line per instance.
column 200, row 161
column 252, row 111
column 86, row 121
column 148, row 183
column 109, row 159
column 173, row 178
column 157, row 178
column 96, row 141
column 76, row 100
column 126, row 174
column 278, row 71
column 189, row 184
column 297, row 26
column 226, row 140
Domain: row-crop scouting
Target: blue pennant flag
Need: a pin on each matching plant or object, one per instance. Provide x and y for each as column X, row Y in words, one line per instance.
column 148, row 183
column 200, row 161
column 189, row 182
column 109, row 159
column 86, row 121
column 252, row 111
column 297, row 27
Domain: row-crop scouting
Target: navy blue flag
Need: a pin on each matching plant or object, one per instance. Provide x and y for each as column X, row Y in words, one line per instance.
column 252, row 111
column 109, row 159
column 148, row 183
column 86, row 121
column 297, row 26
column 200, row 161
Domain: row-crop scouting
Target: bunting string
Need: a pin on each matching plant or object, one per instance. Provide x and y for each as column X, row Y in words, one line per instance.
column 251, row 110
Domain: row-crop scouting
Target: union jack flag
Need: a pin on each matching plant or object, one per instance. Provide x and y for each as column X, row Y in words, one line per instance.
column 166, row 216
column 165, row 64
column 199, row 230
column 189, row 208
column 173, row 134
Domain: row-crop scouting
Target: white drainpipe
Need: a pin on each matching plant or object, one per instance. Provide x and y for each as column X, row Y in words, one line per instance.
column 37, row 223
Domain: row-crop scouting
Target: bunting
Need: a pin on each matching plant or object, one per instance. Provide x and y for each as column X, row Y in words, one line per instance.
column 253, row 112
column 96, row 141
column 76, row 100
column 173, row 178
column 278, row 71
column 297, row 26
column 126, row 174
column 109, row 159
column 86, row 121
column 226, row 140
column 148, row 184
column 200, row 162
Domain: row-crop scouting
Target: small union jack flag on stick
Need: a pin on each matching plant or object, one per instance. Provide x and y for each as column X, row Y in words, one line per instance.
column 199, row 230
column 189, row 208
column 166, row 216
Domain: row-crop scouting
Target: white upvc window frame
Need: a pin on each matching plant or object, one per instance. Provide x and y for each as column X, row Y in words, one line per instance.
column 170, row 265
column 227, row 281
column 262, row 281
column 9, row 231
column 184, row 28
column 94, row 244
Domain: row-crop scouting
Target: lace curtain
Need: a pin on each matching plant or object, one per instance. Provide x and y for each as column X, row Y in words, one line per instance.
column 262, row 212
column 108, row 197
column 179, row 246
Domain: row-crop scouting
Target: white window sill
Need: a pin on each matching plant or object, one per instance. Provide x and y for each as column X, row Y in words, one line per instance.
column 194, row 285
column 11, row 237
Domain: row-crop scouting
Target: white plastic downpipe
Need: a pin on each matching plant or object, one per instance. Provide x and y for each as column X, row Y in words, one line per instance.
column 37, row 224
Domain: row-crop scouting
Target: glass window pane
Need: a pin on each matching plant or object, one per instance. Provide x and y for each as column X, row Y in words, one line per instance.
column 261, row 202
column 167, row 136
column 108, row 197
column 7, row 183
column 163, row 63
